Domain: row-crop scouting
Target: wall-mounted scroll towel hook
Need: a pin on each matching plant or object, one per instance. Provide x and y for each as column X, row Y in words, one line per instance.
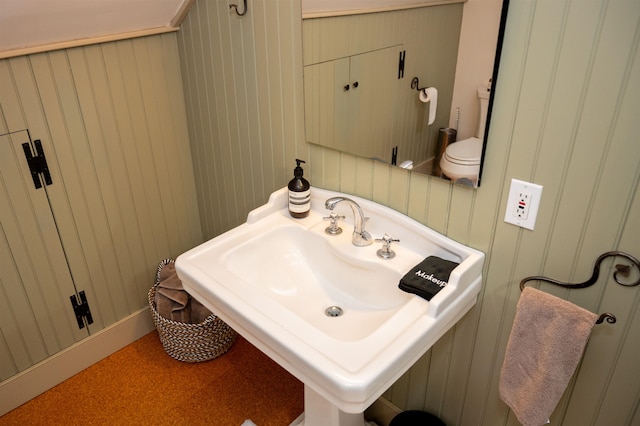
column 621, row 270
column 610, row 318
column 234, row 7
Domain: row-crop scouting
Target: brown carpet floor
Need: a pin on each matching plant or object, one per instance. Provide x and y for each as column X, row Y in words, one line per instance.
column 142, row 385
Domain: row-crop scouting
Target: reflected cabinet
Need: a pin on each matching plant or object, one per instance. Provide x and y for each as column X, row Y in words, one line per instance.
column 355, row 96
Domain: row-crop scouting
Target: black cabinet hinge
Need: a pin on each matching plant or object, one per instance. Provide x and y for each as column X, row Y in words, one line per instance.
column 37, row 163
column 401, row 64
column 81, row 309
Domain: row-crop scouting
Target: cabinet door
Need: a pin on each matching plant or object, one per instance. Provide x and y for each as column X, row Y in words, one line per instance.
column 326, row 97
column 373, row 102
column 36, row 317
column 351, row 103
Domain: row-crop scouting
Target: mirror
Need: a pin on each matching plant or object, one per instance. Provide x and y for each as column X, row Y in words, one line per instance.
column 403, row 83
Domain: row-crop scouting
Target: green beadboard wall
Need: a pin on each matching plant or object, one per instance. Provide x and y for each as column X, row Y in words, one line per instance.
column 112, row 123
column 565, row 113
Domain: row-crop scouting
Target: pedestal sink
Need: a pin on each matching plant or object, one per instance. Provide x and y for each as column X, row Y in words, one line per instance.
column 329, row 312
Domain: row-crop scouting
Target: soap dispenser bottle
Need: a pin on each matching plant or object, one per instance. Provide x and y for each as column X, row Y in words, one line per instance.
column 299, row 193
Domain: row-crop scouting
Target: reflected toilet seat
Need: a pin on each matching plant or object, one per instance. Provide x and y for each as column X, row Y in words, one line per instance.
column 461, row 160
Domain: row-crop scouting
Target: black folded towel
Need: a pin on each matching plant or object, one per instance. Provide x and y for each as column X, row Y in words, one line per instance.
column 428, row 277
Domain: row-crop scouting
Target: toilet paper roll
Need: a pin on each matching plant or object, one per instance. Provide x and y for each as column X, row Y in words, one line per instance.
column 430, row 94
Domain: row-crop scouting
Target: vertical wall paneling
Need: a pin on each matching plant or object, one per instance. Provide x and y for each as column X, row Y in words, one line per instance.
column 270, row 147
column 80, row 190
column 571, row 232
column 112, row 122
column 244, row 102
column 419, row 198
column 35, row 282
column 209, row 176
column 620, row 26
column 178, row 154
column 228, row 106
column 292, row 102
column 107, row 205
column 565, row 117
column 627, row 233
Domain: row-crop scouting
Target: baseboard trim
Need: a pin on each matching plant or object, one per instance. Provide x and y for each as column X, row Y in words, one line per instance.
column 30, row 383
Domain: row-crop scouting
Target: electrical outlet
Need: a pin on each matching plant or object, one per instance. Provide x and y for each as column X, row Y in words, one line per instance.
column 523, row 203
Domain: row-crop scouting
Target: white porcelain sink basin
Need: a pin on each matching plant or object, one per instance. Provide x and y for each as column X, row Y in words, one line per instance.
column 274, row 278
column 300, row 270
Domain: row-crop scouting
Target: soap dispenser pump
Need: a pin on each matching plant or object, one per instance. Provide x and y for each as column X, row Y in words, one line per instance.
column 299, row 193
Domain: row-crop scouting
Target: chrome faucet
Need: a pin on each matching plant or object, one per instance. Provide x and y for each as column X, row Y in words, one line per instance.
column 360, row 237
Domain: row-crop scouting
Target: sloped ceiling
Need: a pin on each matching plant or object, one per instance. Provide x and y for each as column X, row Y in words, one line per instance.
column 26, row 25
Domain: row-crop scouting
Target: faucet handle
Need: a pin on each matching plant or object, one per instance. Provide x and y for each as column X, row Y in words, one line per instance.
column 333, row 228
column 385, row 252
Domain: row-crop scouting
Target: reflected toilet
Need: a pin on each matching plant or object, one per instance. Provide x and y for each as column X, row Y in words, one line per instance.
column 461, row 159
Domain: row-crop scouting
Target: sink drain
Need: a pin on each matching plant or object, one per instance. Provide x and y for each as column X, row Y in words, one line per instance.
column 333, row 311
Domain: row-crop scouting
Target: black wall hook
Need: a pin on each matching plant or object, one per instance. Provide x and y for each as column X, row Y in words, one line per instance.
column 234, row 7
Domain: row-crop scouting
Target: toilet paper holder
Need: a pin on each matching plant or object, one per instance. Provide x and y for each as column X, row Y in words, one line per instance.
column 415, row 84
column 427, row 94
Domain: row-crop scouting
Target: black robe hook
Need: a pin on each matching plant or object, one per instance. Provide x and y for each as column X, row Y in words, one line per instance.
column 234, row 7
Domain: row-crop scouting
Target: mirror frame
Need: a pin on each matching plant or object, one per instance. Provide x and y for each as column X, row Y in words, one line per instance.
column 494, row 85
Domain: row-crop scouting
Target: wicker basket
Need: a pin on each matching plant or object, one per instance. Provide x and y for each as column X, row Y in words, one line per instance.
column 190, row 342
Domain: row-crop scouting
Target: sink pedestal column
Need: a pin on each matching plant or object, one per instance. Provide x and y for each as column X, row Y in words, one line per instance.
column 320, row 412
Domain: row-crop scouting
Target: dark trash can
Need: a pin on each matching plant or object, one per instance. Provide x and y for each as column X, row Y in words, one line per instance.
column 416, row 418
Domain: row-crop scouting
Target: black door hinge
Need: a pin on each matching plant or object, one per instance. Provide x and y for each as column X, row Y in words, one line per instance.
column 37, row 163
column 81, row 309
column 401, row 64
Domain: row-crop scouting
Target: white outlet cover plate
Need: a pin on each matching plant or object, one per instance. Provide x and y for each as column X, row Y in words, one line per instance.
column 517, row 187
